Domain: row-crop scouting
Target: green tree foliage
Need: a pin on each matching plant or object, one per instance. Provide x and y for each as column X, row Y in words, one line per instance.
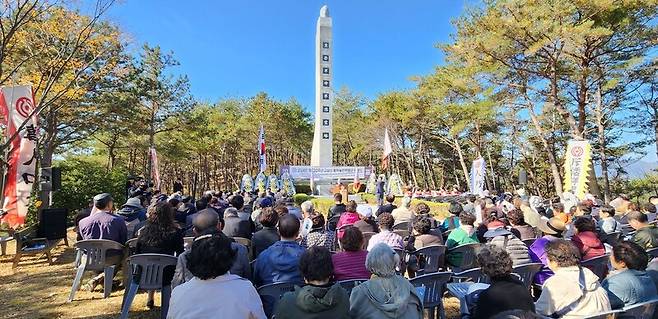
column 83, row 179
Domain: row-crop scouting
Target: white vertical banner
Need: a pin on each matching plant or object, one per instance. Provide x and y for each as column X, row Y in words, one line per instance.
column 478, row 172
column 388, row 150
column 261, row 149
column 17, row 105
column 155, row 170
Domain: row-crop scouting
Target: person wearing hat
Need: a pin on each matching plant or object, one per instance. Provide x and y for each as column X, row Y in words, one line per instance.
column 498, row 235
column 133, row 213
column 553, row 229
column 404, row 214
column 103, row 224
column 260, row 204
column 367, row 223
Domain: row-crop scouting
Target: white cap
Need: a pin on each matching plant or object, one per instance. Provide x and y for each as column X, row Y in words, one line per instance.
column 364, row 210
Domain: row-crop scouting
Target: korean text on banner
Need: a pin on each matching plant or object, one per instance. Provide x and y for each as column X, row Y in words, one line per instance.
column 17, row 107
column 577, row 165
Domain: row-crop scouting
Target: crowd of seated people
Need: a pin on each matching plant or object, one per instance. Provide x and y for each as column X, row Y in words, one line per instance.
column 303, row 249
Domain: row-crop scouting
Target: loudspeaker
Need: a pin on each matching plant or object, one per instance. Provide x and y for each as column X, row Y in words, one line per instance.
column 523, row 177
column 52, row 224
column 56, row 178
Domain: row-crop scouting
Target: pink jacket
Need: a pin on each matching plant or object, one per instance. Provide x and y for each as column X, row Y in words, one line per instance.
column 347, row 218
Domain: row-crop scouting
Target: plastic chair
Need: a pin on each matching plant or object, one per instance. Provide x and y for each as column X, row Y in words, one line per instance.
column 598, row 265
column 468, row 252
column 471, row 275
column 402, row 226
column 4, row 240
column 643, row 310
column 653, row 252
column 349, row 284
column 626, row 229
column 527, row 272
column 187, row 242
column 434, row 257
column 150, row 268
column 431, row 288
column 93, row 258
column 528, row 242
column 611, row 239
column 132, row 246
column 402, row 267
column 276, row 291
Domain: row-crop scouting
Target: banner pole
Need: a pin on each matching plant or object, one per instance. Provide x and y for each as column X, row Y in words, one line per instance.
column 5, row 139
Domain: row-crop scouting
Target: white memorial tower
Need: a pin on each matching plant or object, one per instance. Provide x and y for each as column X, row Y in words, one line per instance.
column 322, row 153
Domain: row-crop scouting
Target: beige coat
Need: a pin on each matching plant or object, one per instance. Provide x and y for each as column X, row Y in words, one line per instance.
column 563, row 291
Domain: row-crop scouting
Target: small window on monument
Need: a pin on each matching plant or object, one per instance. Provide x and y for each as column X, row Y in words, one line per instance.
column 325, row 83
column 325, row 70
column 325, row 96
column 325, row 136
column 325, row 122
column 325, row 109
column 325, row 58
column 325, row 45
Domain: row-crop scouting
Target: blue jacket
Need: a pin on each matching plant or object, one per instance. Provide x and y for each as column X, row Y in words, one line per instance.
column 279, row 263
column 629, row 287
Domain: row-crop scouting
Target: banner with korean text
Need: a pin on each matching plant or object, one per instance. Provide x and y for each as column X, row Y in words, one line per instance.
column 17, row 108
column 327, row 172
column 577, row 165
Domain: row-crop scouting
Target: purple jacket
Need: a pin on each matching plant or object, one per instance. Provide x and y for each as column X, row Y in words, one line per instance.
column 104, row 225
column 537, row 254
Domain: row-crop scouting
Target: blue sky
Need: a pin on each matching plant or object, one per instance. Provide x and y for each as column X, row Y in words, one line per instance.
column 239, row 48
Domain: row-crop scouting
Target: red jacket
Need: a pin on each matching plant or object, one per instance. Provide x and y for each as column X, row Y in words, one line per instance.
column 589, row 245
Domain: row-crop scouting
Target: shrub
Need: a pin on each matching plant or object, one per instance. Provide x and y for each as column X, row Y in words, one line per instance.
column 82, row 180
column 322, row 205
column 300, row 198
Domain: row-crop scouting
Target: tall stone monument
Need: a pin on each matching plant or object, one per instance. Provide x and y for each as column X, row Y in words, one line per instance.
column 322, row 153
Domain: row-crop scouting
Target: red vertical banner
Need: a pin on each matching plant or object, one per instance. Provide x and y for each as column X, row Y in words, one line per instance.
column 262, row 157
column 17, row 105
column 155, row 171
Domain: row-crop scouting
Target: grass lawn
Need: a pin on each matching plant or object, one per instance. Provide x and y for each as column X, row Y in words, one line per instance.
column 38, row 290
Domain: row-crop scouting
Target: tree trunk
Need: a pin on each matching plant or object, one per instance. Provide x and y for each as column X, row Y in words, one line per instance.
column 458, row 148
column 600, row 125
column 151, row 143
column 555, row 170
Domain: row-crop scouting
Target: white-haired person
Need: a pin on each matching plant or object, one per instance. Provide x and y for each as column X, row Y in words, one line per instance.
column 404, row 213
column 307, row 224
column 367, row 224
column 386, row 294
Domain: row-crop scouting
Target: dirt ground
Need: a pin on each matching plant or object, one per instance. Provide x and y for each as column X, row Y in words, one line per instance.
column 38, row 290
